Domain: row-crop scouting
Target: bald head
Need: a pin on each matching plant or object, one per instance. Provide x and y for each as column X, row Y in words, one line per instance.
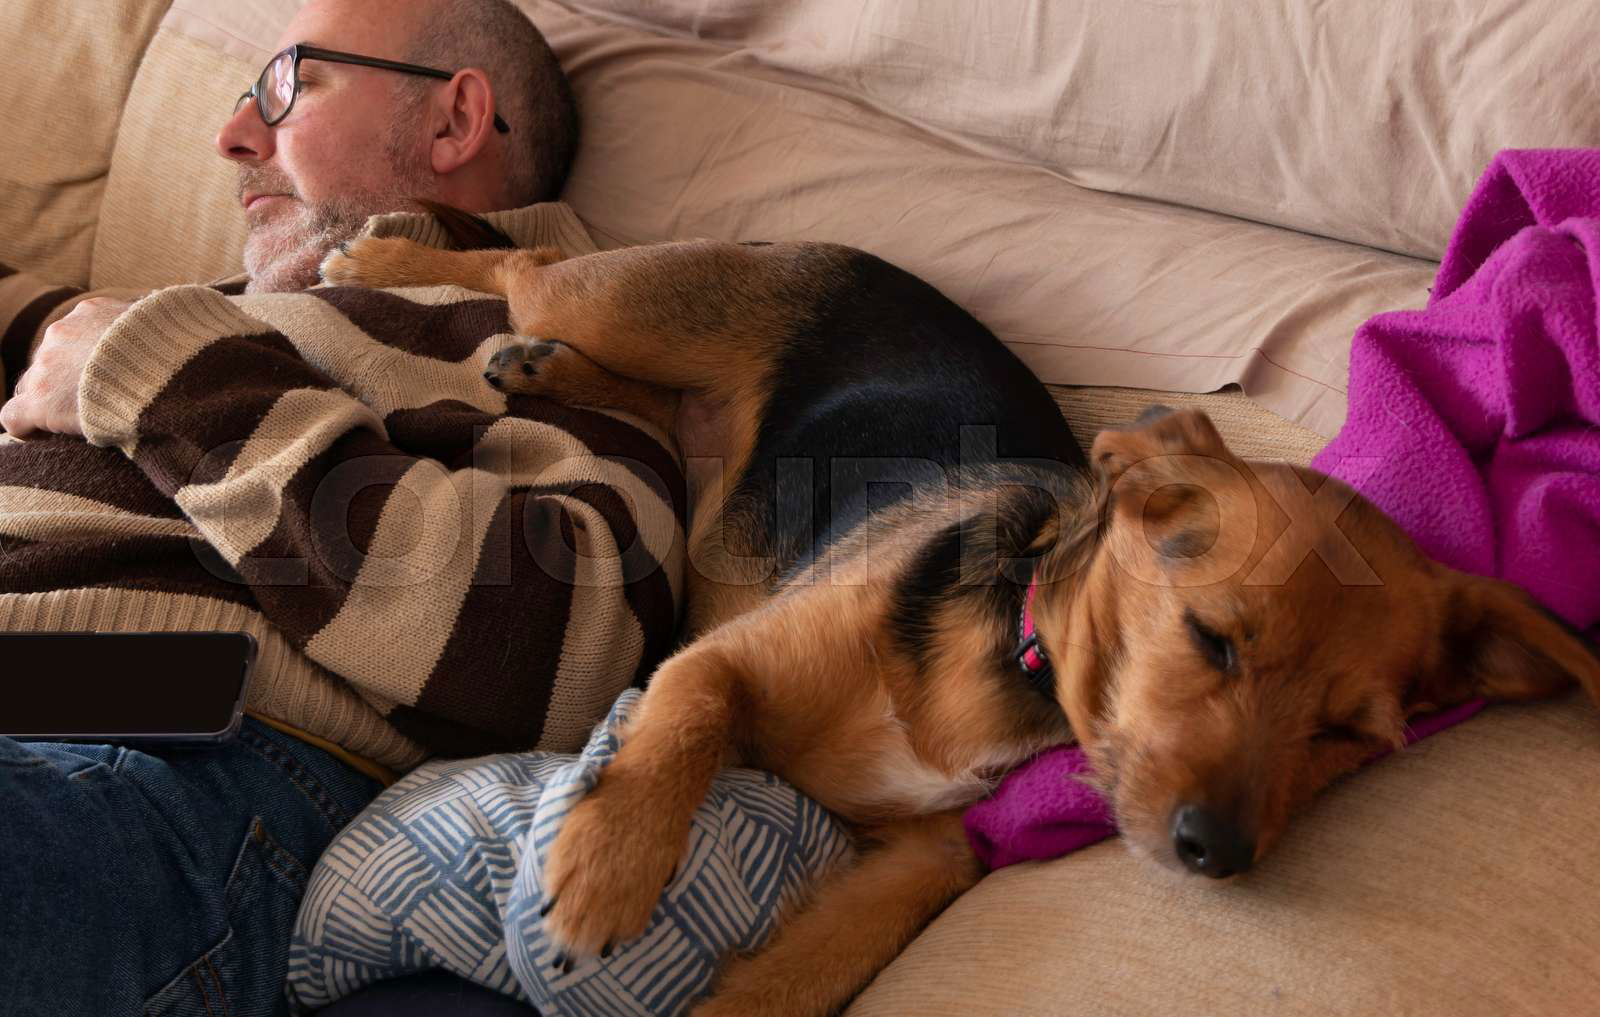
column 380, row 28
column 531, row 91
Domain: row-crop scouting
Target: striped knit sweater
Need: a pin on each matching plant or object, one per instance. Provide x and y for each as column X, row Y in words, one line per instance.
column 430, row 566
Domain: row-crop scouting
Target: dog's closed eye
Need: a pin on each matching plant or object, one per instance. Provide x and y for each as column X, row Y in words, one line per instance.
column 1217, row 649
column 1341, row 733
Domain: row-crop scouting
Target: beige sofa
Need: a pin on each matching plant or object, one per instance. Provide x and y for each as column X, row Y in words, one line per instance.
column 1189, row 196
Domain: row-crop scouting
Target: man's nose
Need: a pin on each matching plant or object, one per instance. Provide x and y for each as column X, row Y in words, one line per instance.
column 1209, row 843
column 244, row 137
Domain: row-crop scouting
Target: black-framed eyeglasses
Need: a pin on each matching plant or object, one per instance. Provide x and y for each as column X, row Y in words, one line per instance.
column 279, row 84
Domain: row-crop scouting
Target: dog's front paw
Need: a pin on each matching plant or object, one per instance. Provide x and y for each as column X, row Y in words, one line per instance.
column 615, row 856
column 377, row 262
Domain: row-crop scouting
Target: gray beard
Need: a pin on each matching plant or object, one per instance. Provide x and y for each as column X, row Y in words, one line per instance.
column 284, row 254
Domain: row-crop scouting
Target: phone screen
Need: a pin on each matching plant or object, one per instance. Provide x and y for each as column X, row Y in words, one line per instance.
column 83, row 686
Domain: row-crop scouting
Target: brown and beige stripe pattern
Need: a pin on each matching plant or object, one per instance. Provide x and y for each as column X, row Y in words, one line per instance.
column 431, row 566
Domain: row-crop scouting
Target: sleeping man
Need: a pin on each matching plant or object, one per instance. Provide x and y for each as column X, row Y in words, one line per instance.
column 430, row 567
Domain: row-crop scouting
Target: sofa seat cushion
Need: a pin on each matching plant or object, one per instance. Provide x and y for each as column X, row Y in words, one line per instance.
column 1456, row 877
column 1250, row 430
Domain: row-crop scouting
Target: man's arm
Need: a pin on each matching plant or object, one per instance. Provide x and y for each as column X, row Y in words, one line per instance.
column 44, row 399
column 467, row 570
column 28, row 306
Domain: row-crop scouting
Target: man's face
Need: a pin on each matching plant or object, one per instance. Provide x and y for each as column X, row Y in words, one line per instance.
column 351, row 147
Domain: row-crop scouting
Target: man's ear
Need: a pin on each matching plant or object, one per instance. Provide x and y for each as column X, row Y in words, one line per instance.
column 463, row 120
column 1496, row 642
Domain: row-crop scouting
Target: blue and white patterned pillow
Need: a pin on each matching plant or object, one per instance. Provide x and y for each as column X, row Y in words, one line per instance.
column 443, row 871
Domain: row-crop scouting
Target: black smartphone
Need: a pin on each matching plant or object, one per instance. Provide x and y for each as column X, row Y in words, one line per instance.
column 124, row 686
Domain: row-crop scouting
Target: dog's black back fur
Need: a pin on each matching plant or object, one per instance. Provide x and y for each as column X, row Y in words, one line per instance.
column 874, row 398
column 884, row 388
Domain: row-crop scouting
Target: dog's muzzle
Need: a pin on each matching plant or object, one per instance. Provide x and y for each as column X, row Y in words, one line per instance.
column 1208, row 844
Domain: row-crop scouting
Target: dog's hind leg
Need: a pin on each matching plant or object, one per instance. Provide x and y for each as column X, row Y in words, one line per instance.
column 708, row 318
column 702, row 316
column 551, row 368
column 857, row 922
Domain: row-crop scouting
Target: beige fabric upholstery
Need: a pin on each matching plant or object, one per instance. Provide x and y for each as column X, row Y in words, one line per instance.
column 59, row 107
column 1456, row 879
column 1088, row 288
column 682, row 141
column 1365, row 120
column 1249, row 430
column 245, row 29
column 170, row 212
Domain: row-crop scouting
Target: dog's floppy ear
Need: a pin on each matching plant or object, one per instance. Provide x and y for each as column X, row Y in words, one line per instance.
column 1161, row 432
column 1496, row 642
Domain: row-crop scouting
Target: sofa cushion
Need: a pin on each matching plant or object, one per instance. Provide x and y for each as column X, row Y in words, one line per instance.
column 66, row 72
column 1364, row 120
column 170, row 213
column 1456, row 877
column 682, row 140
column 1250, row 430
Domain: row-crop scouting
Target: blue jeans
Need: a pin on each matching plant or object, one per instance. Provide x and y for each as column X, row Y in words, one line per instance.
column 160, row 882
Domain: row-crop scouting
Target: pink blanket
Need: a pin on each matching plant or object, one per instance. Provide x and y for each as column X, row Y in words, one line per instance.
column 1474, row 423
column 1042, row 809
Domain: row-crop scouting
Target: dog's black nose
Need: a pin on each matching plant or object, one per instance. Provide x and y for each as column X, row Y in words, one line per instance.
column 1208, row 844
column 492, row 378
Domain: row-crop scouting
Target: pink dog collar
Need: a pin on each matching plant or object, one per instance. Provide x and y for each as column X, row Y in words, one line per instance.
column 1029, row 654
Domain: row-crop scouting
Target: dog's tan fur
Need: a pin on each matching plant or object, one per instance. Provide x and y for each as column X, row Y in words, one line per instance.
column 1336, row 626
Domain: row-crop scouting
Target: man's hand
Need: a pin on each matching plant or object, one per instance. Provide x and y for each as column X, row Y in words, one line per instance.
column 46, row 397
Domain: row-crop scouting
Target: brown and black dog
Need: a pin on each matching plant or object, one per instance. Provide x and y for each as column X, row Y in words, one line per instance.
column 893, row 492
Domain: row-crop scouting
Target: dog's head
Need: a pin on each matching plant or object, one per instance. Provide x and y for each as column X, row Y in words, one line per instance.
column 1234, row 635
